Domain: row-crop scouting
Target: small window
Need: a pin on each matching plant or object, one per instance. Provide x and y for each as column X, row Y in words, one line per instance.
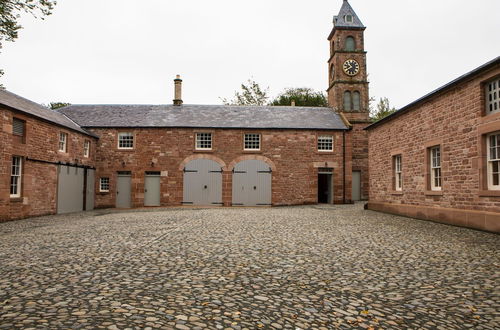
column 347, row 101
column 204, row 141
column 325, row 143
column 63, row 142
column 252, row 142
column 350, row 44
column 18, row 127
column 104, row 185
column 493, row 170
column 125, row 141
column 356, row 101
column 435, row 166
column 15, row 176
column 398, row 173
column 86, row 149
column 348, row 18
column 493, row 97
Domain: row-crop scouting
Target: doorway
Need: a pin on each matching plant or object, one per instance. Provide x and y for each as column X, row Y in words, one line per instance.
column 123, row 190
column 325, row 186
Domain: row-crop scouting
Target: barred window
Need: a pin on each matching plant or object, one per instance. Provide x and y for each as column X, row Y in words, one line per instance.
column 435, row 159
column 63, row 142
column 325, row 143
column 203, row 141
column 15, row 177
column 86, row 149
column 104, row 185
column 398, row 173
column 494, row 161
column 125, row 140
column 252, row 142
column 493, row 96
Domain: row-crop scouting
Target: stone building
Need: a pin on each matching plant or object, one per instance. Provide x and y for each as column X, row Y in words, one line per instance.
column 438, row 158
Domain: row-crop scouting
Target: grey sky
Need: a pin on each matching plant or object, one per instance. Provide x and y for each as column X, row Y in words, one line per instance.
column 129, row 51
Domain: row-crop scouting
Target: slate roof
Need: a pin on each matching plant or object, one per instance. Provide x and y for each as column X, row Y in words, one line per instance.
column 488, row 65
column 204, row 116
column 340, row 22
column 31, row 108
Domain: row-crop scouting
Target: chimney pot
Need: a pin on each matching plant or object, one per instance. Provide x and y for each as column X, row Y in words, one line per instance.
column 178, row 90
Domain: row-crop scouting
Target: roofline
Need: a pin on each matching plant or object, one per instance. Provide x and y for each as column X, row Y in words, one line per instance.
column 51, row 122
column 487, row 66
column 220, row 127
column 330, row 36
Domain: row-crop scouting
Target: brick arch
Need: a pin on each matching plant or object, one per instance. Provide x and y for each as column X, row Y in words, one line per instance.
column 210, row 157
column 251, row 157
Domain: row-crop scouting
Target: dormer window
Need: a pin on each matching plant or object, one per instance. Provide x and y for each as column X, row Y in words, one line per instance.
column 348, row 18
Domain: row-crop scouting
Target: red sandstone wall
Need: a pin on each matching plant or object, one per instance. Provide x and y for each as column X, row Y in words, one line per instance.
column 293, row 153
column 39, row 181
column 454, row 118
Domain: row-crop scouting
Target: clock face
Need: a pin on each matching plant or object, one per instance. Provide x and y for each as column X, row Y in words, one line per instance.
column 351, row 67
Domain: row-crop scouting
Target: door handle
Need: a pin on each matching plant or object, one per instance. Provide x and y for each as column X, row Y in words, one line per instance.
column 254, row 187
column 205, row 187
column 145, row 190
column 117, row 192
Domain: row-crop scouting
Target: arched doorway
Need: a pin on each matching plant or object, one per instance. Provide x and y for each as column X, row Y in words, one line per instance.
column 202, row 183
column 252, row 183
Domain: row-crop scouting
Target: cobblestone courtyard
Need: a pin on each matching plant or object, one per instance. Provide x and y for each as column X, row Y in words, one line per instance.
column 299, row 267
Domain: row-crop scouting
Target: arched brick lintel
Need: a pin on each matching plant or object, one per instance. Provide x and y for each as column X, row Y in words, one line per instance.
column 203, row 156
column 251, row 157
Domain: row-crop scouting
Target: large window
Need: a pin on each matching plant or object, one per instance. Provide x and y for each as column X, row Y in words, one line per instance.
column 398, row 172
column 104, row 185
column 435, row 167
column 325, row 143
column 493, row 96
column 125, row 140
column 350, row 44
column 63, row 142
column 494, row 161
column 347, row 101
column 252, row 142
column 203, row 141
column 15, row 176
column 356, row 106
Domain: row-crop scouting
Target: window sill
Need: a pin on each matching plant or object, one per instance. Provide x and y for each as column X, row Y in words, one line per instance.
column 252, row 151
column 16, row 199
column 395, row 192
column 434, row 193
column 204, row 150
column 126, row 150
column 103, row 192
column 489, row 193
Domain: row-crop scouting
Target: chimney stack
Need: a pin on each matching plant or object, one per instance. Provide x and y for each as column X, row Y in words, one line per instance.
column 178, row 90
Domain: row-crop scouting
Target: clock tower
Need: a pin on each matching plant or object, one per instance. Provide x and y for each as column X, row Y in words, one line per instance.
column 348, row 79
column 348, row 93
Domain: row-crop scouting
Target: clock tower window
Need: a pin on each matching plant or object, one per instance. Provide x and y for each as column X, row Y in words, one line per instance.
column 347, row 101
column 356, row 101
column 350, row 44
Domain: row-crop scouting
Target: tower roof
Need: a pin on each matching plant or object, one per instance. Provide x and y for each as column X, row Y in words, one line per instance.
column 347, row 18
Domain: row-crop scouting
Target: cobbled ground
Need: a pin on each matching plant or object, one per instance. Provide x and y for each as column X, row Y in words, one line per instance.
column 314, row 267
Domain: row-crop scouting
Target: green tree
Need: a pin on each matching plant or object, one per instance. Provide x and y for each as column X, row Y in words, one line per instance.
column 383, row 109
column 58, row 105
column 251, row 94
column 303, row 97
column 10, row 12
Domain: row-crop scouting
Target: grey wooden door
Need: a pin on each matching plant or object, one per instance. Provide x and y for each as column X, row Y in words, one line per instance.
column 89, row 199
column 123, row 190
column 252, row 183
column 202, row 183
column 70, row 189
column 356, row 185
column 152, row 189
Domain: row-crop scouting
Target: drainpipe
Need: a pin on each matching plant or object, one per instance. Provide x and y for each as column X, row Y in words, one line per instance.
column 343, row 167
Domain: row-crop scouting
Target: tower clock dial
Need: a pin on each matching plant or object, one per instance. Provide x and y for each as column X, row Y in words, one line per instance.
column 351, row 67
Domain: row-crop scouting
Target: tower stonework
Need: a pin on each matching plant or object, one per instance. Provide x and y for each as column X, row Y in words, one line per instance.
column 348, row 91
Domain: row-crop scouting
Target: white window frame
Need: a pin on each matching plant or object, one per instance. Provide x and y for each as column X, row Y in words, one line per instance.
column 128, row 138
column 325, row 143
column 16, row 176
column 492, row 94
column 251, row 142
column 63, row 142
column 86, row 149
column 435, row 167
column 348, row 18
column 202, row 139
column 104, row 182
column 493, row 159
column 398, row 173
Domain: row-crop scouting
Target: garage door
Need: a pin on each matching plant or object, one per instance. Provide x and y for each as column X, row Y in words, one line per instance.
column 90, row 190
column 70, row 189
column 252, row 183
column 202, row 183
